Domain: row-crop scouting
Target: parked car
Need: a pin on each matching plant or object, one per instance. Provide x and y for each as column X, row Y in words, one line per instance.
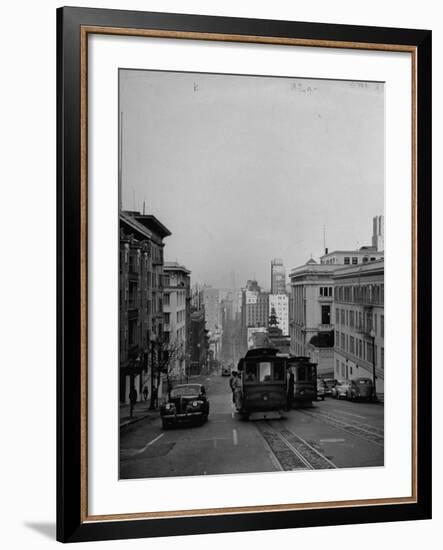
column 342, row 389
column 321, row 390
column 186, row 403
column 333, row 391
column 329, row 385
column 361, row 388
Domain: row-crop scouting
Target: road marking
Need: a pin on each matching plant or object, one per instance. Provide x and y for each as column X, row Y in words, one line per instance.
column 350, row 414
column 234, row 436
column 218, row 421
column 332, row 440
column 143, row 449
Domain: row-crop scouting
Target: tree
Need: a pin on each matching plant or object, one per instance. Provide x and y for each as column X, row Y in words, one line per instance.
column 164, row 357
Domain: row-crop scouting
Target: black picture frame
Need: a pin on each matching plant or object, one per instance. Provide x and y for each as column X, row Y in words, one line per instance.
column 72, row 525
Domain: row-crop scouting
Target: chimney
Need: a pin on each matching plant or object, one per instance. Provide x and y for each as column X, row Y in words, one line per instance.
column 326, row 250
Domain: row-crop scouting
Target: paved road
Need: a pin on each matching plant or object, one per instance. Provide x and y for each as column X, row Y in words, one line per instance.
column 331, row 434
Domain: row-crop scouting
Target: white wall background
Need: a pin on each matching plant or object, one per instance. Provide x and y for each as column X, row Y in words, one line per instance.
column 27, row 300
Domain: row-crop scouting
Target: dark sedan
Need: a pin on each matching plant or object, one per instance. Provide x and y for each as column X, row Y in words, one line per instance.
column 187, row 403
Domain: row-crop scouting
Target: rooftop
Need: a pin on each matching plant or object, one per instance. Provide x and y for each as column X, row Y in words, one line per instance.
column 175, row 266
column 131, row 224
column 150, row 222
column 376, row 266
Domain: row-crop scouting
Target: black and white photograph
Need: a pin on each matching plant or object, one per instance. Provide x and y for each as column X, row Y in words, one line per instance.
column 251, row 274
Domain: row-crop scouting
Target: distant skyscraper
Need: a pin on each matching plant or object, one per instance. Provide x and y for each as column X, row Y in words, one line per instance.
column 278, row 277
column 378, row 233
column 211, row 302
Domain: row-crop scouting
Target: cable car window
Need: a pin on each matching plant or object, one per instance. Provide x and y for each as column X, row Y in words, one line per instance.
column 279, row 372
column 265, row 372
column 251, row 372
column 301, row 374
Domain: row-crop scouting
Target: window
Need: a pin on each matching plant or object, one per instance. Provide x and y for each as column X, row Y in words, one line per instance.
column 166, row 298
column 347, row 260
column 337, row 339
column 342, row 317
column 250, row 372
column 351, row 344
column 167, row 317
column 264, row 372
column 369, row 352
column 325, row 315
column 354, row 260
column 382, row 358
column 279, row 371
column 337, row 315
column 382, row 326
column 342, row 340
column 301, row 374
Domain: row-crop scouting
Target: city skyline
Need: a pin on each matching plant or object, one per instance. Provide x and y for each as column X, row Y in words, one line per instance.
column 243, row 169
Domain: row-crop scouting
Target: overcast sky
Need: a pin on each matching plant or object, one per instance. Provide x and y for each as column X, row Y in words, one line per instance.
column 242, row 169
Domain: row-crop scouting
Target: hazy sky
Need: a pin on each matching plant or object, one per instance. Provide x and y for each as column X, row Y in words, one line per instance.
column 242, row 169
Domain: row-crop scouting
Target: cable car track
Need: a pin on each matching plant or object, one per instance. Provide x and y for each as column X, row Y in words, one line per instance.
column 292, row 451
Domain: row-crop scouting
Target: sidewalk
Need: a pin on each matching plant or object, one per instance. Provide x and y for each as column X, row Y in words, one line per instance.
column 140, row 411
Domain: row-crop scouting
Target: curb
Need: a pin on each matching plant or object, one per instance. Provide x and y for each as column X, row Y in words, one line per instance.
column 134, row 420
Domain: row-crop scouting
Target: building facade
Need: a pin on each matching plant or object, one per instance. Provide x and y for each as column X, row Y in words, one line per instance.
column 360, row 322
column 140, row 299
column 254, row 310
column 311, row 327
column 199, row 342
column 278, row 276
column 378, row 232
column 177, row 319
column 210, row 298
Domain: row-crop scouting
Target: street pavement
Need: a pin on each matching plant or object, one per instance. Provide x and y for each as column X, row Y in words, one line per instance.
column 330, row 434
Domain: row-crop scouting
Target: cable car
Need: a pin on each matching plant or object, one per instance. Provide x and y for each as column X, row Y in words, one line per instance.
column 305, row 380
column 262, row 384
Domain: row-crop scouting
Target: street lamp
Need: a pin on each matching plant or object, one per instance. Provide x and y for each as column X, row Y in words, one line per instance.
column 153, row 341
column 374, row 393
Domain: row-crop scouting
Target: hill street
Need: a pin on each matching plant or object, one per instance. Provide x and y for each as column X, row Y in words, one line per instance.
column 330, row 434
